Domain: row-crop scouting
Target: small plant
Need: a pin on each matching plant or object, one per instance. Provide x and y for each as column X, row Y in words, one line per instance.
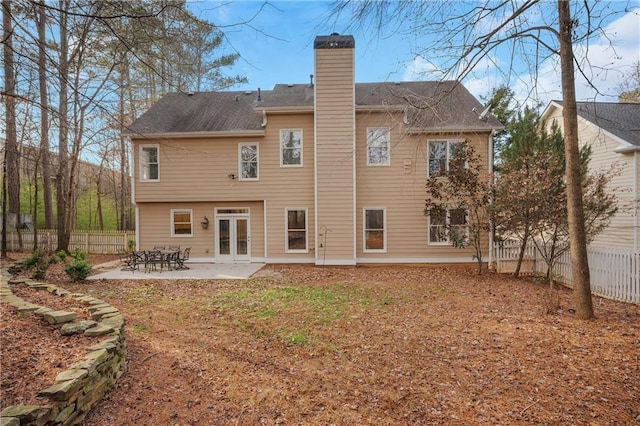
column 131, row 246
column 62, row 255
column 78, row 270
column 79, row 254
column 38, row 262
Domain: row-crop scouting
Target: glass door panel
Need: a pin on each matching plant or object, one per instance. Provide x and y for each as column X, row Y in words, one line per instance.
column 225, row 236
column 242, row 237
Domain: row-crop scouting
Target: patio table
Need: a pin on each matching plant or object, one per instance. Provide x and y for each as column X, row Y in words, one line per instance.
column 169, row 256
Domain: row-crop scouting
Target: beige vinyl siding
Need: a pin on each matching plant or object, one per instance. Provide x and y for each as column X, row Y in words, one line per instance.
column 335, row 127
column 155, row 227
column 195, row 172
column 621, row 231
column 400, row 189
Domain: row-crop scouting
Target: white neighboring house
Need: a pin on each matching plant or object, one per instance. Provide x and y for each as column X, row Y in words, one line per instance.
column 613, row 131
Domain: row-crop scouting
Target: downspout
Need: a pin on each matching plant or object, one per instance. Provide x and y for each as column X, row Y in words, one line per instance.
column 491, row 230
column 132, row 176
column 636, row 199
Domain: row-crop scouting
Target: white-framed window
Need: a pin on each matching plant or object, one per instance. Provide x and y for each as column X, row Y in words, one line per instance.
column 378, row 146
column 440, row 153
column 375, row 225
column 248, row 161
column 149, row 162
column 446, row 225
column 296, row 230
column 291, row 148
column 181, row 222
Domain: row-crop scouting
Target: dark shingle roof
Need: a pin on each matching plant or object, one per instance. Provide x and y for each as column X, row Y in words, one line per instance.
column 445, row 106
column 623, row 120
column 199, row 113
column 620, row 119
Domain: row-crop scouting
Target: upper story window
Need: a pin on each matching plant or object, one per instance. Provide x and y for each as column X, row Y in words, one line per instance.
column 447, row 226
column 375, row 239
column 181, row 223
column 291, row 148
column 440, row 153
column 248, row 161
column 296, row 221
column 378, row 146
column 149, row 163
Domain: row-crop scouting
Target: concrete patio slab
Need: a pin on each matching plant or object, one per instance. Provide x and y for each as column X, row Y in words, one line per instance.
column 196, row 271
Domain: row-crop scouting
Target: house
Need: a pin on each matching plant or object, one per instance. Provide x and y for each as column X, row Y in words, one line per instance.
column 327, row 172
column 613, row 131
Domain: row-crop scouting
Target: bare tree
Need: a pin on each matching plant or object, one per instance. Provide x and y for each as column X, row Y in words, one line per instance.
column 41, row 18
column 11, row 157
column 630, row 85
column 467, row 33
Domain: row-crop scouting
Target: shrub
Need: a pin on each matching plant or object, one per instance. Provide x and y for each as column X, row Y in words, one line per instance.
column 78, row 270
column 79, row 254
column 38, row 261
column 62, row 255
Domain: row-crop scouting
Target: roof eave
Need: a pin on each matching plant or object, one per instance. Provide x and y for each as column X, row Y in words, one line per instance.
column 195, row 135
column 627, row 149
column 422, row 130
column 285, row 109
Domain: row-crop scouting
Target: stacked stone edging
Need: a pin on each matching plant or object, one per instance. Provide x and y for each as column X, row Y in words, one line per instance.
column 85, row 383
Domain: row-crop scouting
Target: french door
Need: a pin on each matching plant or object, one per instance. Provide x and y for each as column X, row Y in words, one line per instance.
column 233, row 239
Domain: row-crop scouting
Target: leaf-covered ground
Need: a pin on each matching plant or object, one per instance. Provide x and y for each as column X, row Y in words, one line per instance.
column 368, row 345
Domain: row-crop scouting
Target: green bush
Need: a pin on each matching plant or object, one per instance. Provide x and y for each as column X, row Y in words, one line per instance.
column 38, row 261
column 79, row 254
column 38, row 256
column 62, row 255
column 78, row 270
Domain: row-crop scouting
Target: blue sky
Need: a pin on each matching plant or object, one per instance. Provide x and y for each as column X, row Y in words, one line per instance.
column 275, row 41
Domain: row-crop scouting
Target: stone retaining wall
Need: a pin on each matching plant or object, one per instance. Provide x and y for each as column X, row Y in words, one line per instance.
column 79, row 388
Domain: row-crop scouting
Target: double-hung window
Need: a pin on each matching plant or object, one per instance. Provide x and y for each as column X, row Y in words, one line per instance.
column 291, row 148
column 447, row 226
column 440, row 153
column 296, row 229
column 378, row 146
column 181, row 223
column 375, row 236
column 248, row 161
column 149, row 163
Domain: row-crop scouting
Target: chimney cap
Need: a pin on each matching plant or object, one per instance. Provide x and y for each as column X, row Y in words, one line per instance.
column 334, row 41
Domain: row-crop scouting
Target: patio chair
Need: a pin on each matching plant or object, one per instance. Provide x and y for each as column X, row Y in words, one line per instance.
column 182, row 258
column 152, row 259
column 173, row 248
column 129, row 261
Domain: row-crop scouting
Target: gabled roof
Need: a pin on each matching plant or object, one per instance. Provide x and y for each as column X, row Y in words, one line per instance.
column 428, row 106
column 619, row 119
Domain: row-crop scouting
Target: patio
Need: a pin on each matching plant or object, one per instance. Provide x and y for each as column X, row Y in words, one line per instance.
column 197, row 271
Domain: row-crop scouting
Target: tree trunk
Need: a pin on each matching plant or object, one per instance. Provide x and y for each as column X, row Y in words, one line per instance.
column 523, row 248
column 9, row 111
column 575, row 209
column 123, row 154
column 63, row 148
column 44, row 119
column 11, row 148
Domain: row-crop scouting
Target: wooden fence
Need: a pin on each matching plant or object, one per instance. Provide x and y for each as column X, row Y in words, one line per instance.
column 615, row 273
column 102, row 242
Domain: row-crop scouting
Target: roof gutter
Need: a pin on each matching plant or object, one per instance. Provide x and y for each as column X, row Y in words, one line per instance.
column 419, row 130
column 196, row 135
column 627, row 149
column 285, row 110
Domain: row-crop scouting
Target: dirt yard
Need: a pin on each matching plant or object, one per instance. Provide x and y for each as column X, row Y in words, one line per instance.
column 367, row 345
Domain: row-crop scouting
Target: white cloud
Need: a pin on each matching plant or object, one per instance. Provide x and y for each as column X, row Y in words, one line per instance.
column 603, row 62
column 421, row 69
